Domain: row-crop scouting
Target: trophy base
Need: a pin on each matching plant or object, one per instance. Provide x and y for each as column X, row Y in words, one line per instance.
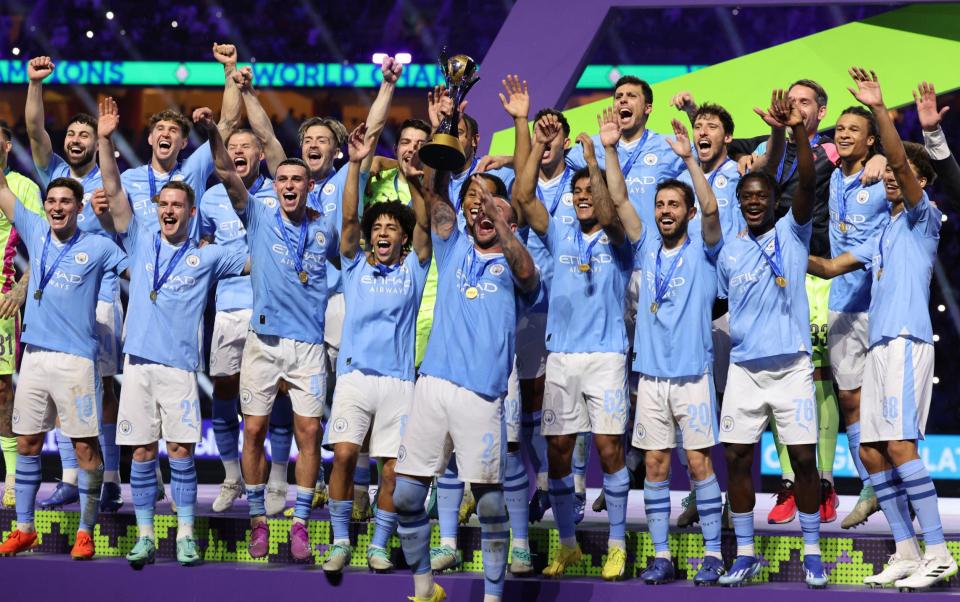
column 443, row 153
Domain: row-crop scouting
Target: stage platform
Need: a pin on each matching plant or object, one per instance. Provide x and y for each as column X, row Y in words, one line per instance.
column 230, row 573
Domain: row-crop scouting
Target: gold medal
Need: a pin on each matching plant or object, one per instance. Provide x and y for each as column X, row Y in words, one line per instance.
column 153, row 296
column 584, row 267
column 37, row 294
column 303, row 277
column 654, row 307
column 879, row 273
column 471, row 292
column 843, row 227
column 781, row 282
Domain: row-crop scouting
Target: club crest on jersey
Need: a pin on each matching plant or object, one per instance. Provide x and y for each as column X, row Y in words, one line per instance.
column 402, row 453
column 650, row 159
column 176, row 177
column 727, row 424
column 604, row 239
column 721, row 181
column 193, row 261
column 549, row 417
column 863, row 196
column 567, row 199
column 496, row 270
column 270, row 202
column 340, row 425
column 15, row 417
column 125, row 427
column 330, row 188
column 321, row 239
column 245, row 396
column 86, row 197
column 81, row 258
column 641, row 432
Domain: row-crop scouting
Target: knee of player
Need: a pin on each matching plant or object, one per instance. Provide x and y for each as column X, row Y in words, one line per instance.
column 226, row 387
column 739, row 457
column 610, row 450
column 306, row 430
column 87, row 452
column 699, row 464
column 145, row 453
column 29, row 445
column 345, row 456
column 803, row 458
column 254, row 430
column 901, row 451
column 179, row 451
column 657, row 464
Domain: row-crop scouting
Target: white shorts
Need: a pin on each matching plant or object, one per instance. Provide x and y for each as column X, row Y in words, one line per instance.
column 157, row 402
column 532, row 345
column 333, row 328
column 585, row 393
column 897, row 389
column 848, row 344
column 511, row 406
column 446, row 416
column 663, row 404
column 720, row 333
column 780, row 388
column 269, row 359
column 54, row 384
column 110, row 344
column 360, row 399
column 229, row 334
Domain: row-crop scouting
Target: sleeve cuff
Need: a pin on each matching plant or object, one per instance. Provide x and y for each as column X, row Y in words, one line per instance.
column 936, row 144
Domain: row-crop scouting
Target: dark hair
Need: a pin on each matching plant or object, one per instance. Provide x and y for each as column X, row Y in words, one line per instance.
column 402, row 214
column 339, row 131
column 252, row 134
column 417, row 124
column 818, row 91
column 181, row 185
column 560, row 117
column 918, row 155
column 583, row 172
column 472, row 124
column 169, row 115
column 683, row 187
column 871, row 128
column 762, row 175
column 632, row 79
column 84, row 119
column 720, row 113
column 294, row 161
column 499, row 188
column 75, row 187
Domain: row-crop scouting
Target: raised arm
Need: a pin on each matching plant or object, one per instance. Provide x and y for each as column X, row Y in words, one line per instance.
column 40, row 146
column 377, row 118
column 616, row 185
column 525, row 187
column 791, row 116
column 422, row 242
column 831, row 268
column 709, row 210
column 943, row 160
column 226, row 170
column 226, row 55
column 518, row 258
column 359, row 146
column 516, row 103
column 259, row 120
column 8, row 201
column 868, row 92
column 777, row 142
column 603, row 207
column 684, row 102
column 120, row 214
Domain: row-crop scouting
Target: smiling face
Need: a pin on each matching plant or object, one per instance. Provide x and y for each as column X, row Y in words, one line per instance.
column 174, row 211
column 410, row 141
column 484, row 232
column 245, row 151
column 80, row 144
column 631, row 106
column 61, row 207
column 892, row 187
column 757, row 203
column 471, row 199
column 710, row 138
column 583, row 200
column 853, row 138
column 672, row 213
column 166, row 139
column 387, row 239
column 292, row 185
column 319, row 148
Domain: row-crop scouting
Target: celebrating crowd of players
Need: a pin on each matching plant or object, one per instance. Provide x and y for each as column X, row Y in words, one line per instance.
column 532, row 305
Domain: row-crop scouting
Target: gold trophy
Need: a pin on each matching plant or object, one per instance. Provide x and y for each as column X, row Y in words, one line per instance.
column 443, row 151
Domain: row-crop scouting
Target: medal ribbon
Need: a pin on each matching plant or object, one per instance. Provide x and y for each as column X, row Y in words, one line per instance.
column 45, row 275
column 774, row 265
column 298, row 252
column 663, row 285
column 793, row 168
column 584, row 256
column 626, row 167
column 158, row 284
column 558, row 194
